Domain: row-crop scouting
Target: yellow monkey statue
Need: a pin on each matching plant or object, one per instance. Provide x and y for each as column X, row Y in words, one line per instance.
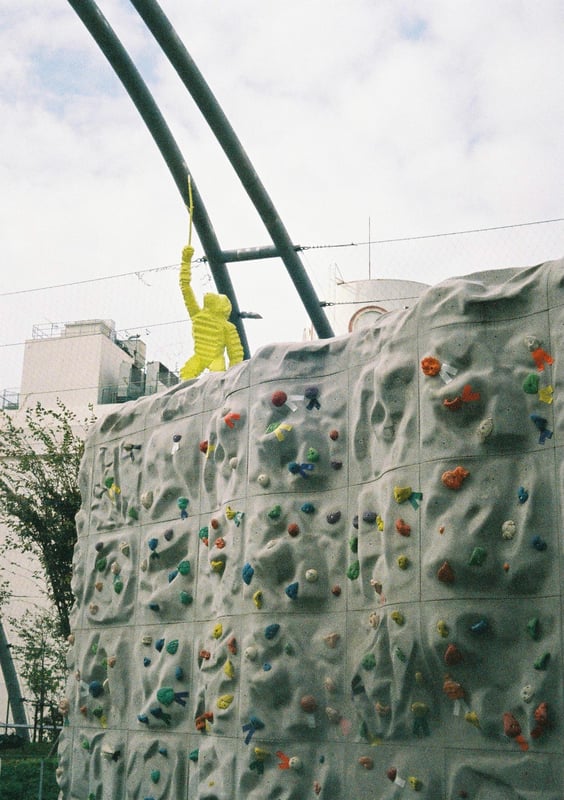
column 211, row 330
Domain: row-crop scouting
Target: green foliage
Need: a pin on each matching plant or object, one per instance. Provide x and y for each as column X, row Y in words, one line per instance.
column 20, row 777
column 39, row 494
column 41, row 660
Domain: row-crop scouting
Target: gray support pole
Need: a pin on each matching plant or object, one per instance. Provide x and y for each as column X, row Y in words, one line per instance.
column 12, row 685
column 193, row 79
column 112, row 48
column 252, row 253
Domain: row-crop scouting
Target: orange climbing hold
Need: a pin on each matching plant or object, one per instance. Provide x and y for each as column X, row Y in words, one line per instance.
column 402, row 527
column 454, row 478
column 431, row 366
column 541, row 357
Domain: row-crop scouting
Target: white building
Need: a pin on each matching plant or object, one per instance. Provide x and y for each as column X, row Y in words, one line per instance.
column 357, row 304
column 84, row 365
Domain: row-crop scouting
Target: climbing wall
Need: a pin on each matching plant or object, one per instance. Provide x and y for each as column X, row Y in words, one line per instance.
column 333, row 571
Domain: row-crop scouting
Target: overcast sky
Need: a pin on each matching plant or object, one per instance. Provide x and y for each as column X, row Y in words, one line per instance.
column 423, row 117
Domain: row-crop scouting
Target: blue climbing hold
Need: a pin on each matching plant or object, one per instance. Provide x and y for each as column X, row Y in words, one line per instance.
column 292, row 590
column 271, row 630
column 247, row 573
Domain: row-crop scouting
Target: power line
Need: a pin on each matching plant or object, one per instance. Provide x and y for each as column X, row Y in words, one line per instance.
column 434, row 235
column 139, row 273
column 136, row 273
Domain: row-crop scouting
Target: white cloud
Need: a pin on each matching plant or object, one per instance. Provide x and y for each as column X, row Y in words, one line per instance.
column 425, row 117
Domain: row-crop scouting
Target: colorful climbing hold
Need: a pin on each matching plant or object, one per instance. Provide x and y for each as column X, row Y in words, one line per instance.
column 541, row 662
column 247, row 573
column 182, row 504
column 454, row 478
column 477, row 557
column 541, row 424
column 271, row 630
column 445, row 573
column 430, row 366
column 278, row 398
column 292, row 590
column 452, row 655
column 531, row 384
column 353, row 571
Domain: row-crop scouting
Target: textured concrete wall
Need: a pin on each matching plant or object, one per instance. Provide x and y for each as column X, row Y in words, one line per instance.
column 352, row 593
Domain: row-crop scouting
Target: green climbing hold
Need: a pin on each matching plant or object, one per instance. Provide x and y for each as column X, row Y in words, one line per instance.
column 184, row 568
column 353, row 571
column 165, row 695
column 172, row 646
column 542, row 661
column 478, row 556
column 531, row 384
column 118, row 586
column 533, row 628
column 155, row 775
column 101, row 563
column 275, row 512
column 369, row 661
column 353, row 544
column 193, row 756
column 186, row 598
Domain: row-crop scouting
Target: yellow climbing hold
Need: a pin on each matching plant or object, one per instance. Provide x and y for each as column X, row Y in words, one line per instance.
column 402, row 493
column 261, row 754
column 225, row 701
column 217, row 631
column 442, row 628
column 545, row 394
column 257, row 598
column 229, row 669
column 379, row 523
column 472, row 718
column 217, row 565
column 398, row 617
column 415, row 783
column 279, row 430
column 230, row 513
column 113, row 491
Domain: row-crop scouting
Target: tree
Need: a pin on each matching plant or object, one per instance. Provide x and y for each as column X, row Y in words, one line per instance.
column 39, row 494
column 41, row 655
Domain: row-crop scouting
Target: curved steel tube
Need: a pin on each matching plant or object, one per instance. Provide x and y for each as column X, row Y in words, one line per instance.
column 12, row 686
column 143, row 100
column 172, row 46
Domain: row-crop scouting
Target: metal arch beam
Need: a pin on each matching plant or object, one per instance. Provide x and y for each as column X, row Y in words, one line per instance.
column 12, row 686
column 176, row 52
column 125, row 69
